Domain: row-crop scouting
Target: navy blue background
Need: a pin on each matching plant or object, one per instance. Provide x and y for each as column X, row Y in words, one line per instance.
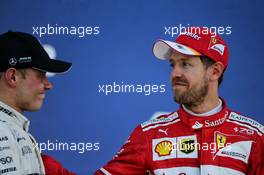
column 74, row 110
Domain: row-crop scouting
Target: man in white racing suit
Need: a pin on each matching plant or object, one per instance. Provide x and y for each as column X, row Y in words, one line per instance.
column 23, row 83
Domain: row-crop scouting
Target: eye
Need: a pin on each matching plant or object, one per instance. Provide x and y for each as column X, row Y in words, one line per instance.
column 172, row 64
column 42, row 75
column 186, row 64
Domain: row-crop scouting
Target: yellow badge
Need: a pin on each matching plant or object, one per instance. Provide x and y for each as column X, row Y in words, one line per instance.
column 187, row 146
column 164, row 148
column 213, row 40
column 221, row 141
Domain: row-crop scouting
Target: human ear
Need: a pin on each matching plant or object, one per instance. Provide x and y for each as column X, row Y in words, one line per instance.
column 216, row 70
column 10, row 76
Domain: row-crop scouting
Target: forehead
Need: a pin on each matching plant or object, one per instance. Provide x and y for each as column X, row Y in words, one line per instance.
column 33, row 71
column 176, row 56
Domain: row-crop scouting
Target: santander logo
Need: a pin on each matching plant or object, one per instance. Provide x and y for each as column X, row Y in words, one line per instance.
column 209, row 123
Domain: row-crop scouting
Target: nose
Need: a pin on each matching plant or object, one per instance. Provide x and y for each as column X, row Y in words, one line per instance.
column 47, row 84
column 176, row 71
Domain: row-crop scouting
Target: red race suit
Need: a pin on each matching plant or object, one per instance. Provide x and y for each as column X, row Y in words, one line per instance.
column 225, row 143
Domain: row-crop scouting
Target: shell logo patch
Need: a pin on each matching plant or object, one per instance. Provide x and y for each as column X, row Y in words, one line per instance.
column 164, row 148
column 174, row 147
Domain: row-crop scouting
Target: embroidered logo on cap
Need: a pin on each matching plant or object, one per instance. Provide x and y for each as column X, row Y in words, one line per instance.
column 216, row 45
column 25, row 59
column 12, row 61
column 193, row 35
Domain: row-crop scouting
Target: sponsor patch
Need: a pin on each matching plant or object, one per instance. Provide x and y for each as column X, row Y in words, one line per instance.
column 217, row 45
column 243, row 130
column 209, row 123
column 6, row 160
column 240, row 118
column 26, row 150
column 7, row 111
column 176, row 147
column 220, row 140
column 187, row 147
column 193, row 35
column 7, row 170
column 4, row 148
column 4, row 138
column 25, row 59
column 163, row 148
column 12, row 61
column 160, row 120
column 238, row 150
column 197, row 125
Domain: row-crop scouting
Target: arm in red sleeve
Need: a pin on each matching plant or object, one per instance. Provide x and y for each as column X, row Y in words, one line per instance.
column 256, row 166
column 131, row 159
column 53, row 167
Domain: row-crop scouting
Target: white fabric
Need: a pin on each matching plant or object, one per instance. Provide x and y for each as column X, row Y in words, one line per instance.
column 203, row 170
column 18, row 152
column 215, row 110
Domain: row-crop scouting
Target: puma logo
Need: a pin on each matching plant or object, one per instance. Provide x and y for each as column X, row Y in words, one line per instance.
column 163, row 131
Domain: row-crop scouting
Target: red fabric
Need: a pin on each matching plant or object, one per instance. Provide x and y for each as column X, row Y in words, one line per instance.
column 238, row 150
column 205, row 42
column 53, row 167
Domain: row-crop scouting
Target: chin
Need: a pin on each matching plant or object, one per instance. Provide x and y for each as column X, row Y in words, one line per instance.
column 35, row 107
column 177, row 99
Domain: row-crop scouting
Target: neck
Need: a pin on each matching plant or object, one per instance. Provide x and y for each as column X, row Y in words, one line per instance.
column 9, row 101
column 205, row 106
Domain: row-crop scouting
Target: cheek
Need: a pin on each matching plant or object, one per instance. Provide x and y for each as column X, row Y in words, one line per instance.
column 196, row 77
column 35, row 82
column 34, row 85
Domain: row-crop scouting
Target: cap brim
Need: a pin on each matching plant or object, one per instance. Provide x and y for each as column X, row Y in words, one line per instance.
column 53, row 66
column 162, row 49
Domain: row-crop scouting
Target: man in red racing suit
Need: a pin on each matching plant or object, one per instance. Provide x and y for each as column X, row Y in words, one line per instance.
column 203, row 137
column 230, row 144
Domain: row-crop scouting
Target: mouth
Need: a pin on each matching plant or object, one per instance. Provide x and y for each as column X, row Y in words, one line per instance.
column 42, row 95
column 179, row 85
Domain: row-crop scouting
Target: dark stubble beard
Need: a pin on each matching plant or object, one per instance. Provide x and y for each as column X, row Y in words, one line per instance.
column 194, row 96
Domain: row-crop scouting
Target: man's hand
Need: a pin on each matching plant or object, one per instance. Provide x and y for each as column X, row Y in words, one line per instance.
column 53, row 167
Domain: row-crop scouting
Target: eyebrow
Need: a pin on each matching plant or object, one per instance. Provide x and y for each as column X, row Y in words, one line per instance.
column 180, row 59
